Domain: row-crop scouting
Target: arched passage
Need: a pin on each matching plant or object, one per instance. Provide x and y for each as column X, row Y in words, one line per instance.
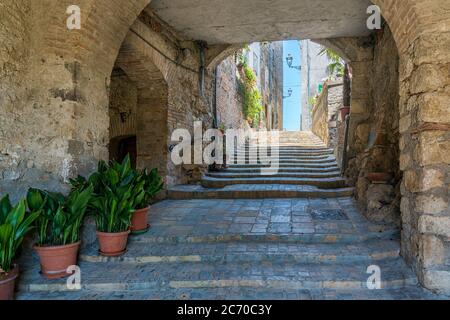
column 147, row 96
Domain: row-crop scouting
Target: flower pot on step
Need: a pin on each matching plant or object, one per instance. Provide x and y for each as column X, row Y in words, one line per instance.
column 139, row 221
column 379, row 177
column 7, row 283
column 112, row 244
column 56, row 259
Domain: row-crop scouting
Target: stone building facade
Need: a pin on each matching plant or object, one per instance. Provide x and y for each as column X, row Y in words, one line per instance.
column 266, row 61
column 313, row 73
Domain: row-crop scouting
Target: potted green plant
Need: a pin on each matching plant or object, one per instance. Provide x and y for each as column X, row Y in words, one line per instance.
column 152, row 185
column 59, row 224
column 117, row 191
column 15, row 223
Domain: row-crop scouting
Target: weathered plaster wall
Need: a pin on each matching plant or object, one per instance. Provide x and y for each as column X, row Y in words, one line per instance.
column 63, row 116
column 14, row 57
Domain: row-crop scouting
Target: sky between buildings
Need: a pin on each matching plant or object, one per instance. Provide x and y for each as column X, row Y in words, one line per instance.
column 291, row 79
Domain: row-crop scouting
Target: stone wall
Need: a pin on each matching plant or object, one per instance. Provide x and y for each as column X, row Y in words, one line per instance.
column 425, row 148
column 377, row 135
column 229, row 99
column 64, row 118
column 422, row 130
column 325, row 114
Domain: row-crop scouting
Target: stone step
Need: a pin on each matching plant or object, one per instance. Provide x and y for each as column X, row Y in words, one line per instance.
column 129, row 276
column 258, row 191
column 322, row 183
column 279, row 170
column 274, row 238
column 142, row 253
column 287, row 156
column 280, row 175
column 311, row 152
column 286, row 165
column 246, row 160
column 316, row 151
column 238, row 293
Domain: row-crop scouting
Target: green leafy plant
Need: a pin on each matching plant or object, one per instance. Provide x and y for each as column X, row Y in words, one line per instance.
column 152, row 185
column 337, row 64
column 252, row 97
column 61, row 217
column 15, row 223
column 312, row 101
column 118, row 190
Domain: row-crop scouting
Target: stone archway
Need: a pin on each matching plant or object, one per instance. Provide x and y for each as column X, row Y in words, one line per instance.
column 146, row 118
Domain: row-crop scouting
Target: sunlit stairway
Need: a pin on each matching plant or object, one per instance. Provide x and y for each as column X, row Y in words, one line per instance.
column 313, row 245
column 305, row 167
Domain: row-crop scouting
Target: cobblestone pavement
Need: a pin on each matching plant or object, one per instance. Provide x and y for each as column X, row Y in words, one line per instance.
column 242, row 249
column 258, row 240
column 258, row 217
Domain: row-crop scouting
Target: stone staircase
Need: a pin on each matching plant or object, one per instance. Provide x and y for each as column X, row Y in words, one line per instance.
column 242, row 249
column 246, row 268
column 295, row 235
column 305, row 167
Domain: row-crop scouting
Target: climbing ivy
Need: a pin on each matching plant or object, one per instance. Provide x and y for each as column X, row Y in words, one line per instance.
column 252, row 97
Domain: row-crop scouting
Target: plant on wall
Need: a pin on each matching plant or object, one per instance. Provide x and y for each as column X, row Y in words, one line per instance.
column 312, row 101
column 336, row 66
column 252, row 97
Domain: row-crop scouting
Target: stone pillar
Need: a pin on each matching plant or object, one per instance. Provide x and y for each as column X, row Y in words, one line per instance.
column 425, row 158
column 361, row 107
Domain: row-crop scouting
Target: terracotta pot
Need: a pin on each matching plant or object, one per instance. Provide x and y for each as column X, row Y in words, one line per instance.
column 7, row 282
column 344, row 112
column 139, row 221
column 56, row 259
column 379, row 177
column 113, row 244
